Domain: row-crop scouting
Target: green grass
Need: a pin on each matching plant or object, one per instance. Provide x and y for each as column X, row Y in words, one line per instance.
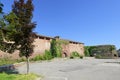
column 4, row 76
column 6, row 61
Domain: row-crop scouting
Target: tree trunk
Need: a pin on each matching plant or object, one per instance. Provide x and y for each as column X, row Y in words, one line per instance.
column 27, row 65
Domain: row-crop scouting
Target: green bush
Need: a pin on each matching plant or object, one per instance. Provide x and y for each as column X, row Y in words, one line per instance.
column 46, row 56
column 75, row 54
column 81, row 56
column 87, row 52
column 56, row 49
column 98, row 56
column 22, row 59
column 72, row 57
column 37, row 58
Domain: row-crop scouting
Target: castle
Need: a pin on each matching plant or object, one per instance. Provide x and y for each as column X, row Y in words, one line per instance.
column 43, row 43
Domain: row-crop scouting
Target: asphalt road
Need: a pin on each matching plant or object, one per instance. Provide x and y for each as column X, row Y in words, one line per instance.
column 76, row 69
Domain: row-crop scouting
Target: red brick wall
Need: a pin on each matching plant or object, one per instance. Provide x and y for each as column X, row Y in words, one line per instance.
column 71, row 47
column 42, row 44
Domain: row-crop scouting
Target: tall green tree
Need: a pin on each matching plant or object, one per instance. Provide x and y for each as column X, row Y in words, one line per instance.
column 1, row 21
column 8, row 25
column 1, row 24
column 23, row 10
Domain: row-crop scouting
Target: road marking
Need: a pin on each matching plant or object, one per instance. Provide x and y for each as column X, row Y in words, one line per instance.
column 65, row 78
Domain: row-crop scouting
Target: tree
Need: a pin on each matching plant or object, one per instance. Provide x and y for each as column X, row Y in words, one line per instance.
column 1, row 6
column 8, row 26
column 1, row 24
column 7, row 29
column 23, row 10
column 1, row 21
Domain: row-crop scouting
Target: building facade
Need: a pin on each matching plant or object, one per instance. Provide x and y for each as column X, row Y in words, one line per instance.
column 43, row 43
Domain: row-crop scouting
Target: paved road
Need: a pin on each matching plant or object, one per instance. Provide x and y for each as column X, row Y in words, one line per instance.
column 76, row 69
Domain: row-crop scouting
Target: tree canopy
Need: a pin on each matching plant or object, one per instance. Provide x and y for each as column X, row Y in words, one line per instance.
column 16, row 29
column 23, row 10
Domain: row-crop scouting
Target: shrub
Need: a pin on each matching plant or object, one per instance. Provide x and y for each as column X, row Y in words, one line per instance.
column 75, row 54
column 81, row 56
column 47, row 55
column 37, row 58
column 56, row 49
column 71, row 57
column 22, row 59
column 98, row 56
column 87, row 52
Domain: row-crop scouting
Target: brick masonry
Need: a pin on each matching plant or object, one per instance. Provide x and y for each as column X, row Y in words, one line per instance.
column 43, row 43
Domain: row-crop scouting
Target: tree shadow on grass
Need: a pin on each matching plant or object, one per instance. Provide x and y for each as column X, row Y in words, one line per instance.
column 8, row 69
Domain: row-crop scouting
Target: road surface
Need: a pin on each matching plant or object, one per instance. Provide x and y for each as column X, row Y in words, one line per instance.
column 76, row 69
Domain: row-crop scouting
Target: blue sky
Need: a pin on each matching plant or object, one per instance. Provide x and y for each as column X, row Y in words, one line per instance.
column 93, row 22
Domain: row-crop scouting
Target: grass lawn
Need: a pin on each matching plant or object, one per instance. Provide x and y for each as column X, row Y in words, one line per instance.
column 4, row 76
column 4, row 62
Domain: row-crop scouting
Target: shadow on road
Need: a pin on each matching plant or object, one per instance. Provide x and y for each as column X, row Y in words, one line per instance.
column 9, row 69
